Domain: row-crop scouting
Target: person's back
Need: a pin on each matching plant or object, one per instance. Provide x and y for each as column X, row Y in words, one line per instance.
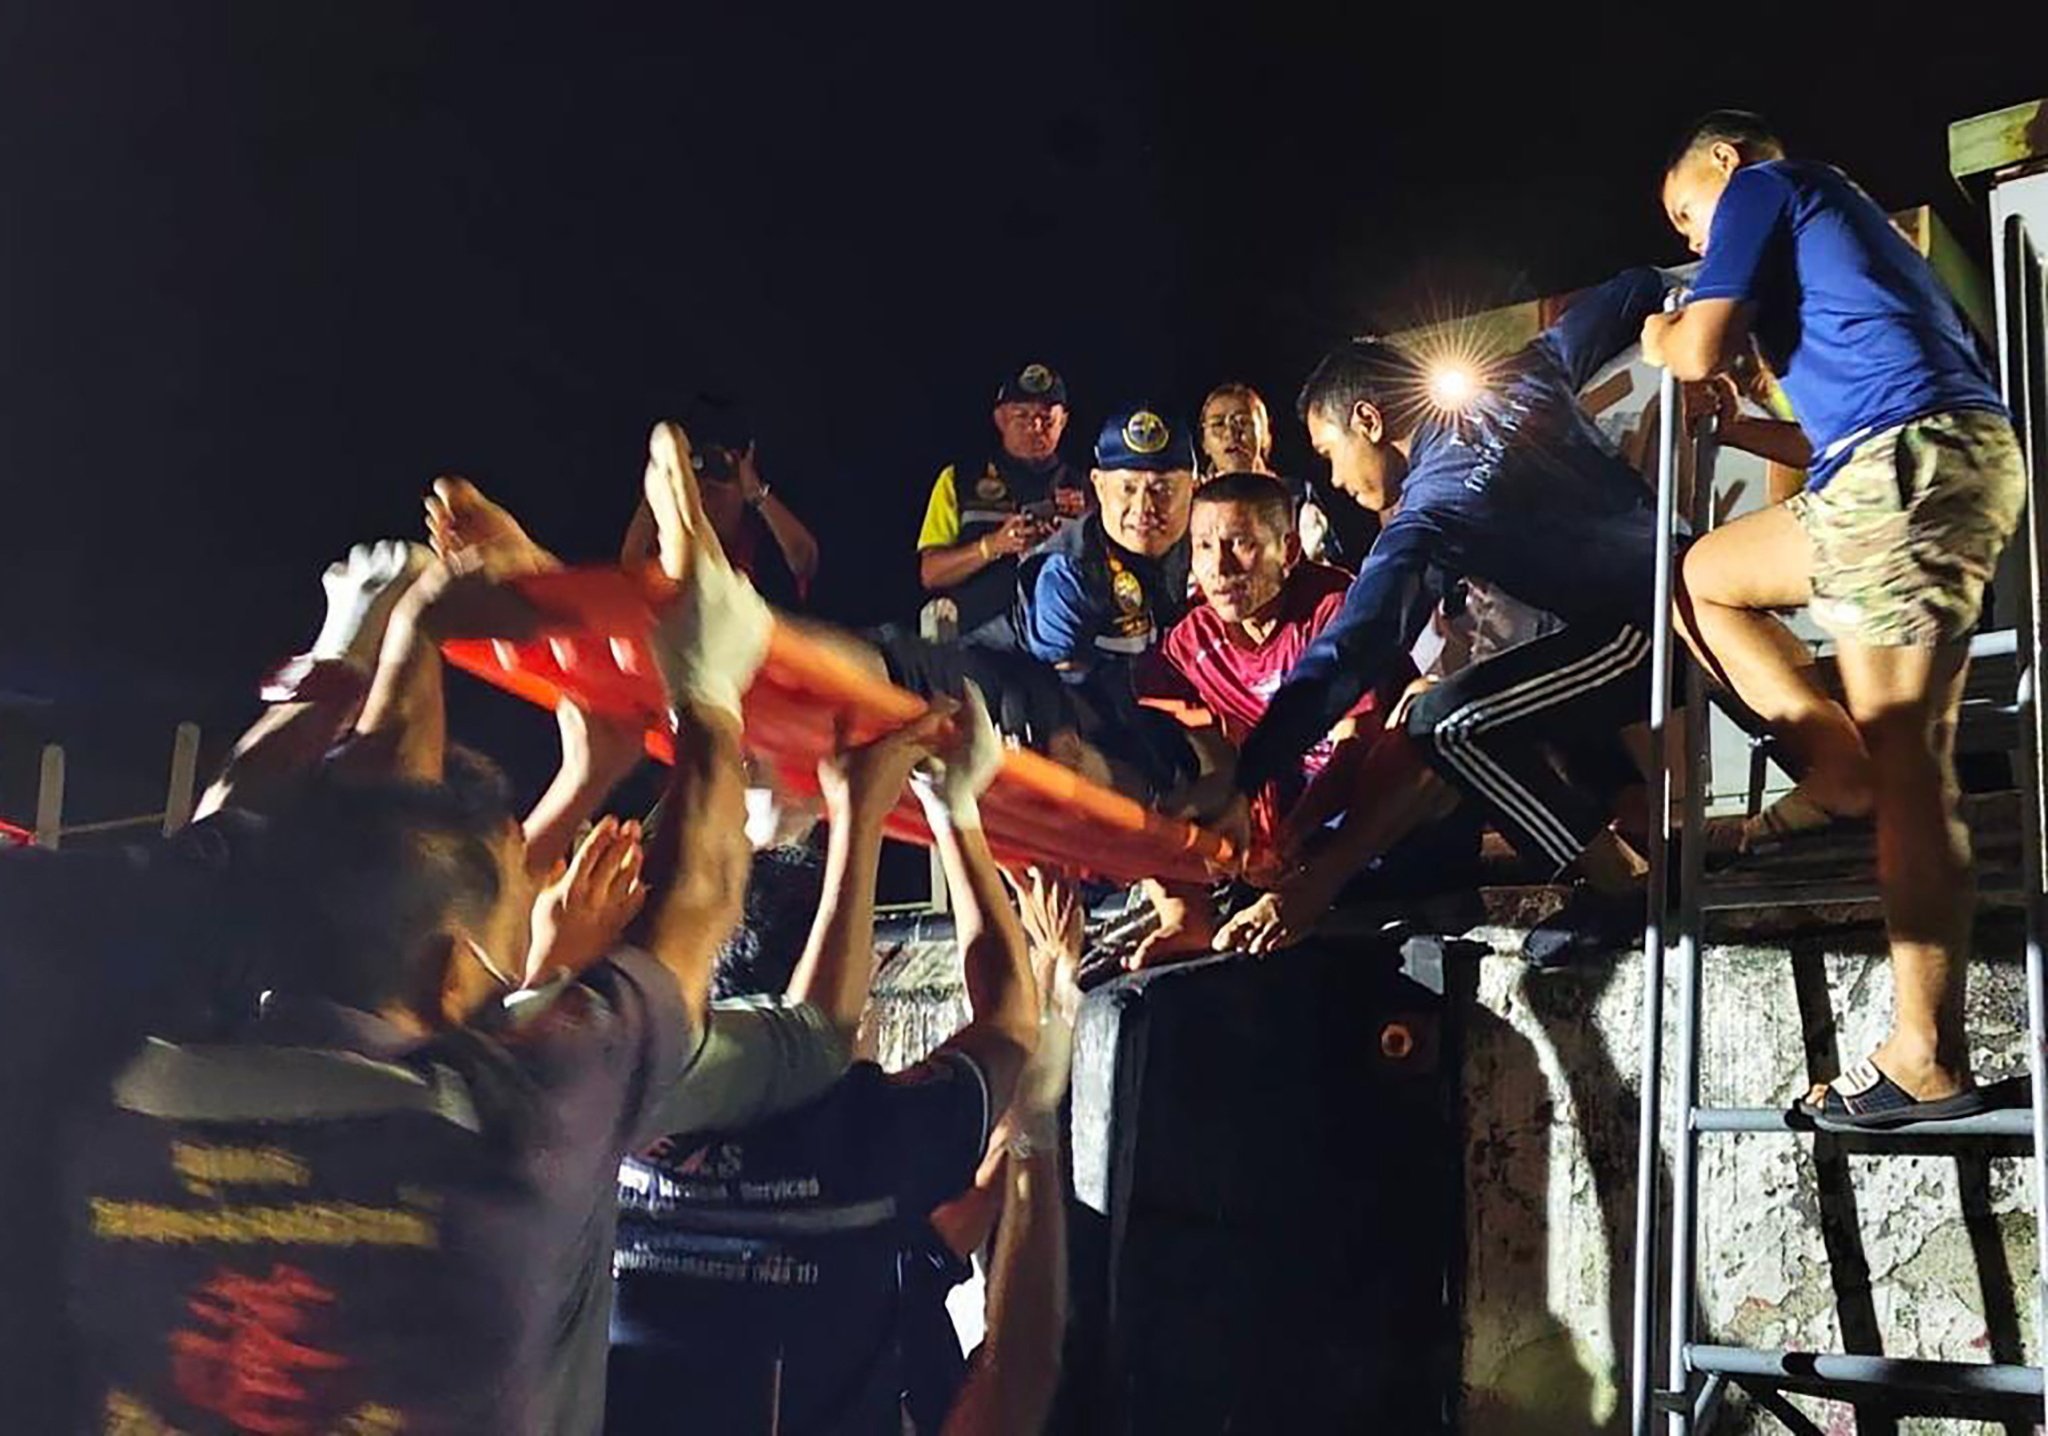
column 773, row 1275
column 382, row 1201
column 1520, row 489
column 327, row 1222
column 1849, row 315
column 782, row 1275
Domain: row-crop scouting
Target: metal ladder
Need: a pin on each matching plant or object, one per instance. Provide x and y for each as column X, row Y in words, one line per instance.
column 1698, row 1375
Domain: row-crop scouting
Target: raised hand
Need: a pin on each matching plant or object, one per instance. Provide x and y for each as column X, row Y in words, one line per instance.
column 579, row 917
column 1050, row 908
column 950, row 783
column 866, row 780
column 362, row 589
column 713, row 637
column 747, row 469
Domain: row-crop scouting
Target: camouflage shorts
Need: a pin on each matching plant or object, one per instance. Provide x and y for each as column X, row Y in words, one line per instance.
column 1905, row 534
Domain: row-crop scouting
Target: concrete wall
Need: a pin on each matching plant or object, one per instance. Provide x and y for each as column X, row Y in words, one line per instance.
column 1550, row 1088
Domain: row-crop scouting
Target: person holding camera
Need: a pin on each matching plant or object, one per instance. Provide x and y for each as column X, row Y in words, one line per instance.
column 986, row 516
column 761, row 533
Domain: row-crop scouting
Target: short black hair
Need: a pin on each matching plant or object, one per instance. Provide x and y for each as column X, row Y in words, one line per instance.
column 475, row 780
column 1263, row 494
column 361, row 874
column 784, row 888
column 1368, row 370
column 715, row 419
column 1745, row 129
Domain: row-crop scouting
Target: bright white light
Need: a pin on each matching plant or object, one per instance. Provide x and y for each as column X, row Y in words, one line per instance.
column 1451, row 386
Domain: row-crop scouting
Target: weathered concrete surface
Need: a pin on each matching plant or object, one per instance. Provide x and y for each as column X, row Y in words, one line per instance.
column 1550, row 1088
column 1550, row 1081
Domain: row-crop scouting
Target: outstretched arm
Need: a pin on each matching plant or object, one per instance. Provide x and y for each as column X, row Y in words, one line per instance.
column 1602, row 323
column 597, row 755
column 1387, row 605
column 708, row 642
column 798, row 544
column 328, row 681
column 861, row 787
column 1001, row 994
column 697, row 863
column 1016, row 1370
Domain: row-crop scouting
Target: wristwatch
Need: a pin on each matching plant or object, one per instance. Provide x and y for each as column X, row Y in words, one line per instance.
column 761, row 498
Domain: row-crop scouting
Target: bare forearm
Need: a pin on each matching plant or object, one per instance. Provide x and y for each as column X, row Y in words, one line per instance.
column 1771, row 439
column 1704, row 338
column 403, row 730
column 1016, row 1371
column 799, row 546
column 1394, row 792
column 951, row 565
column 1002, row 995
column 838, row 963
column 571, row 800
column 284, row 744
column 697, row 864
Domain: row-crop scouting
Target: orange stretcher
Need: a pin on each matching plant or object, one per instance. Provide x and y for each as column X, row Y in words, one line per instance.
column 592, row 648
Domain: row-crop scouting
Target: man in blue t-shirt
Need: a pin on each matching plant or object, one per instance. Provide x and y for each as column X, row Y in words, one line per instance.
column 1916, row 483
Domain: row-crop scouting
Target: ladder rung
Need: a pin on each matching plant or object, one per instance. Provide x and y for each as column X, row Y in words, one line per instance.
column 1999, row 1122
column 1740, row 893
column 1847, row 1376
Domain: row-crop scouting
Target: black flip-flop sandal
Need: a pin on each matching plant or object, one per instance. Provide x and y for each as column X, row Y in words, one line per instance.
column 1875, row 1103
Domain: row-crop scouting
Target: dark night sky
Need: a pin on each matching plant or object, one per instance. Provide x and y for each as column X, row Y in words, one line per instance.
column 265, row 269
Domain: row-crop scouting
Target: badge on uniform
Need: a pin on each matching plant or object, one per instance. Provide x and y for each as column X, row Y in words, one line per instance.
column 990, row 485
column 1128, row 591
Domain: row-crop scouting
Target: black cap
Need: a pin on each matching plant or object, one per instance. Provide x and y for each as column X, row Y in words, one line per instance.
column 1033, row 384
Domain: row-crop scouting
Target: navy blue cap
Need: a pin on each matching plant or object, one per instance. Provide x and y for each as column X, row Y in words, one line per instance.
column 1139, row 437
column 1033, row 384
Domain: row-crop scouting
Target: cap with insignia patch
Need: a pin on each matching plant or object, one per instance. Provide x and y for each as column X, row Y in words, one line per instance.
column 1140, row 437
column 1033, row 384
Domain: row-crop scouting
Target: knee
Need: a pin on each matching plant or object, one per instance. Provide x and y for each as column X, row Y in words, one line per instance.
column 1695, row 578
column 1901, row 738
column 1424, row 724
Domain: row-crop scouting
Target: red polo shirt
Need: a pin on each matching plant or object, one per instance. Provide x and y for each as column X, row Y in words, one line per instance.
column 1235, row 678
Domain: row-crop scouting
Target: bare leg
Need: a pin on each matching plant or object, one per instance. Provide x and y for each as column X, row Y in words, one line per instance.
column 468, row 530
column 1763, row 561
column 1905, row 701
